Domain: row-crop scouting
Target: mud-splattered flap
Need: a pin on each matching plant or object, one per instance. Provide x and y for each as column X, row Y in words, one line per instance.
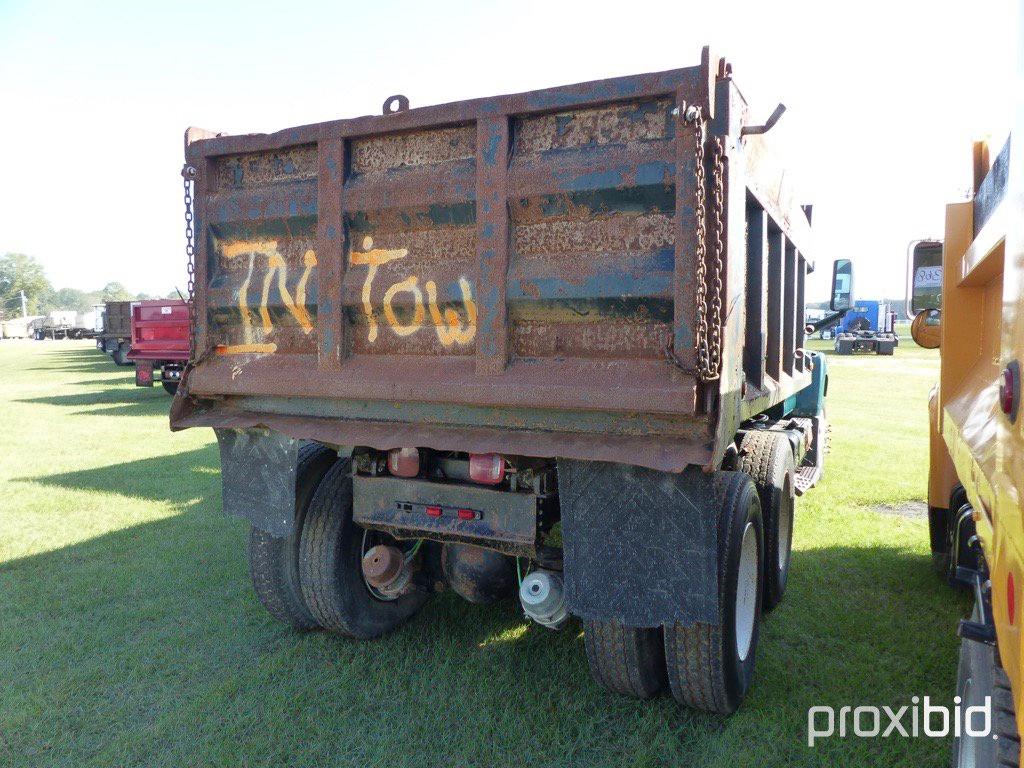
column 640, row 545
column 257, row 467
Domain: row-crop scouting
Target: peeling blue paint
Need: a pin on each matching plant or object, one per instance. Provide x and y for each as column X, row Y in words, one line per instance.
column 611, row 177
column 491, row 150
column 655, row 173
column 607, row 285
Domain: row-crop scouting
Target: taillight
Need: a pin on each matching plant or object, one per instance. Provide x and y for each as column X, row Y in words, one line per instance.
column 1009, row 390
column 486, row 468
column 404, row 462
column 433, row 511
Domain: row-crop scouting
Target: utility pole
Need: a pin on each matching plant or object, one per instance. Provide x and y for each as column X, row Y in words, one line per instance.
column 24, row 305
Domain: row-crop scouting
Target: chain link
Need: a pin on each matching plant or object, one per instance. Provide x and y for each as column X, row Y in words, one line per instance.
column 696, row 119
column 708, row 298
column 715, row 320
column 188, row 174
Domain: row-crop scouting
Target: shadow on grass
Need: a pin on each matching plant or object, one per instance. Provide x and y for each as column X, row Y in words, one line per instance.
column 83, row 360
column 141, row 401
column 177, row 478
column 174, row 662
column 119, row 377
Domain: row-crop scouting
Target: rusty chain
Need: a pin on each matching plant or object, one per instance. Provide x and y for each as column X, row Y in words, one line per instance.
column 696, row 120
column 188, row 174
column 715, row 321
column 708, row 298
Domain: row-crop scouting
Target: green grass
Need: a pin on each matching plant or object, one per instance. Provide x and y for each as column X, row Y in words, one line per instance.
column 129, row 635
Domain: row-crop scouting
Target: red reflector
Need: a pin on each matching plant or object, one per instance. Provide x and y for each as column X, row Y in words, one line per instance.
column 1011, row 597
column 434, row 511
column 486, row 468
column 1009, row 390
column 404, row 462
column 467, row 514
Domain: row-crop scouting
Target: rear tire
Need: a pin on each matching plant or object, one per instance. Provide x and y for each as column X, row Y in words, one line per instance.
column 330, row 566
column 274, row 560
column 768, row 458
column 120, row 355
column 626, row 660
column 979, row 675
column 711, row 666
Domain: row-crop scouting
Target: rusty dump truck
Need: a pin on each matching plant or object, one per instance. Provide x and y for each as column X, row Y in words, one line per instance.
column 545, row 346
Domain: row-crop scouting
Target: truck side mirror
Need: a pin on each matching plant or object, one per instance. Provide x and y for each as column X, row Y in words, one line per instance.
column 924, row 282
column 842, row 285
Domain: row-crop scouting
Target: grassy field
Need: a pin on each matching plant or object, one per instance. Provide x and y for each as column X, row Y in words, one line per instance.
column 129, row 635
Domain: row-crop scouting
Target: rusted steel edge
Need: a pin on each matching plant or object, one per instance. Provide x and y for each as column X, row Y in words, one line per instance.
column 656, row 84
column 417, row 379
column 666, row 454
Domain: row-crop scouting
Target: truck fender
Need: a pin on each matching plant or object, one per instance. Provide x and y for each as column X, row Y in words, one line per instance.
column 257, row 469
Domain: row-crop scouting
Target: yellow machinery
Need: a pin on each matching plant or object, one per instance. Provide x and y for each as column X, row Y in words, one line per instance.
column 976, row 478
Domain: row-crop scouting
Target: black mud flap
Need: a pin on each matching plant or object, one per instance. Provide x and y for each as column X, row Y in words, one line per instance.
column 640, row 546
column 257, row 467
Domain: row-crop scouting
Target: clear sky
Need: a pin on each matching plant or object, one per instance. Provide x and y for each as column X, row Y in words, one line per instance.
column 883, row 101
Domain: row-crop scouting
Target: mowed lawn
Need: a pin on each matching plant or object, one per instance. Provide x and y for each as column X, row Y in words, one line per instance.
column 129, row 635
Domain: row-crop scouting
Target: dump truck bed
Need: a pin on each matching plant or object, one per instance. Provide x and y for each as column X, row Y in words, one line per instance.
column 117, row 320
column 517, row 274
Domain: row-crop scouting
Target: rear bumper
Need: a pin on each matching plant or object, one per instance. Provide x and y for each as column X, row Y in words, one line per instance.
column 664, row 452
column 159, row 356
column 500, row 520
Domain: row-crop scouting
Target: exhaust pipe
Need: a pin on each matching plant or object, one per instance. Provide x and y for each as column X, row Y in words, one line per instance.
column 543, row 598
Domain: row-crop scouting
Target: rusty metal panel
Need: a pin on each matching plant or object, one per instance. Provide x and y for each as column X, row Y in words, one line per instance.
column 532, row 251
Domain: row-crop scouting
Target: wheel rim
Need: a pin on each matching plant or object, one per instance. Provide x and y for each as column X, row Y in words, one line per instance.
column 746, row 592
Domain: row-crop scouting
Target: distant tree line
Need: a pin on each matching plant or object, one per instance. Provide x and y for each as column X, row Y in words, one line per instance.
column 20, row 272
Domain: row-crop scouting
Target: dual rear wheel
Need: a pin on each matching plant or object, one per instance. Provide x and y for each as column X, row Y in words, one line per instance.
column 705, row 666
column 312, row 578
column 711, row 666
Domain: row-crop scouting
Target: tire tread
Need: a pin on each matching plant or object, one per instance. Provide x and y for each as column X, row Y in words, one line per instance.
column 274, row 576
column 625, row 660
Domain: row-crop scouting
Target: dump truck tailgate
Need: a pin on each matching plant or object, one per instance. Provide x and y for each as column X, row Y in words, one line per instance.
column 524, row 262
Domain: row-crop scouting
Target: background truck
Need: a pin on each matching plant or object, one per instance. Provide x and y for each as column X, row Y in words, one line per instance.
column 159, row 342
column 868, row 327
column 19, row 327
column 976, row 468
column 67, row 324
column 115, row 335
column 547, row 344
column 55, row 325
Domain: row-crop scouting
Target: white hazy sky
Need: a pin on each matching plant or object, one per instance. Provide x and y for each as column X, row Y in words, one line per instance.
column 883, row 101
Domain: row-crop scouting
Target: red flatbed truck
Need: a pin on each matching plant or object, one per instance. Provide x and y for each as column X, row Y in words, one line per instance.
column 160, row 342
